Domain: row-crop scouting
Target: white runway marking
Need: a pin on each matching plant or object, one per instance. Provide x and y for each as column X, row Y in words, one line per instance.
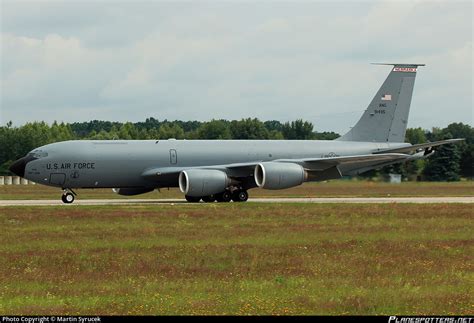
column 422, row 200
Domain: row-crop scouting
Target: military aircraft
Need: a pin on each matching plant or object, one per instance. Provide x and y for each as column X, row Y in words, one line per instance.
column 224, row 170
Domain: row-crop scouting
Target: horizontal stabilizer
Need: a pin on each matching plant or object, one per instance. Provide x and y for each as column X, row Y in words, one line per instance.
column 419, row 147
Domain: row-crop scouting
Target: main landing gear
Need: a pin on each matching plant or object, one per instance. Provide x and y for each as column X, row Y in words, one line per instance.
column 237, row 195
column 240, row 196
column 68, row 196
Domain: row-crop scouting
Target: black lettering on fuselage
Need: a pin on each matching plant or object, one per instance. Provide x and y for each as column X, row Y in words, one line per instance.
column 83, row 165
column 66, row 166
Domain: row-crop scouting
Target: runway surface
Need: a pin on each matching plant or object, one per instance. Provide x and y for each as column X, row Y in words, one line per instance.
column 421, row 200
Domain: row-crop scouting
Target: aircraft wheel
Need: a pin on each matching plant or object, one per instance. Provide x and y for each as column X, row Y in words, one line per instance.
column 235, row 196
column 67, row 198
column 240, row 196
column 209, row 199
column 225, row 196
column 192, row 199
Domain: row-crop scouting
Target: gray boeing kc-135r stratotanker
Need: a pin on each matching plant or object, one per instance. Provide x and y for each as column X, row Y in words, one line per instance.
column 224, row 170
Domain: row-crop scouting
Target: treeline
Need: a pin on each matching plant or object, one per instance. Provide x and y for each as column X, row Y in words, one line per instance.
column 214, row 129
column 451, row 162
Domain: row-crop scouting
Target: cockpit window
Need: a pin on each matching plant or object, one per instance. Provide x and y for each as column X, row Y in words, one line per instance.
column 38, row 154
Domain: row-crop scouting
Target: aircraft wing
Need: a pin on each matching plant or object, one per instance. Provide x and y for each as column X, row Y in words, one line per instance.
column 312, row 164
column 419, row 147
column 233, row 170
column 319, row 164
column 236, row 170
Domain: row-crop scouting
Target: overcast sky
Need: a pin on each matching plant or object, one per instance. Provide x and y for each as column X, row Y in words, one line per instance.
column 126, row 61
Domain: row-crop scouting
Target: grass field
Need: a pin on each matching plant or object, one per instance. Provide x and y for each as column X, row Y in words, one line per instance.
column 238, row 259
column 338, row 188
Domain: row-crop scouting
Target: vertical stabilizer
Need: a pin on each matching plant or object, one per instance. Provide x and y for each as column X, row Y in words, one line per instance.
column 386, row 117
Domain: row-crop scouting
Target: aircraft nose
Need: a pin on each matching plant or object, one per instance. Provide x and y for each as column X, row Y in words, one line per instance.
column 18, row 167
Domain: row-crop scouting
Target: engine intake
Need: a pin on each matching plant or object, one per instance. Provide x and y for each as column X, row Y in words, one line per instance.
column 277, row 176
column 202, row 182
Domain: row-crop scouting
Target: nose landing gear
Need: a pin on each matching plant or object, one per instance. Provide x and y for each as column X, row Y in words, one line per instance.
column 68, row 196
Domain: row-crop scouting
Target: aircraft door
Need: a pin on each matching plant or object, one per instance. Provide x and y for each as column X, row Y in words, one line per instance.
column 57, row 178
column 173, row 157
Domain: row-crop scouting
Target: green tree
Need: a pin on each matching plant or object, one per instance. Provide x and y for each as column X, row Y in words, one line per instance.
column 273, row 125
column 275, row 135
column 101, row 135
column 444, row 164
column 248, row 129
column 214, row 129
column 298, row 129
column 412, row 169
column 326, row 135
column 466, row 148
column 415, row 136
column 170, row 130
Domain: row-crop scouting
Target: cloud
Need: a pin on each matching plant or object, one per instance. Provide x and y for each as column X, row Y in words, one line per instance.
column 75, row 61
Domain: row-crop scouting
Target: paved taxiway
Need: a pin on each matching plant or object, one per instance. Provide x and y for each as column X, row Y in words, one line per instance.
column 423, row 200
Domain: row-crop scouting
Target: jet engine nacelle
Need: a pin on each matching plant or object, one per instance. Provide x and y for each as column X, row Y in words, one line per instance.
column 277, row 176
column 128, row 191
column 202, row 182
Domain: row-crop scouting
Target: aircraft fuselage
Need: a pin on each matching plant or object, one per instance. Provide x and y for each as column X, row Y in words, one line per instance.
column 122, row 163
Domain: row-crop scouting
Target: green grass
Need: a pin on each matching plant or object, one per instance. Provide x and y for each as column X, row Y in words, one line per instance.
column 237, row 259
column 336, row 188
